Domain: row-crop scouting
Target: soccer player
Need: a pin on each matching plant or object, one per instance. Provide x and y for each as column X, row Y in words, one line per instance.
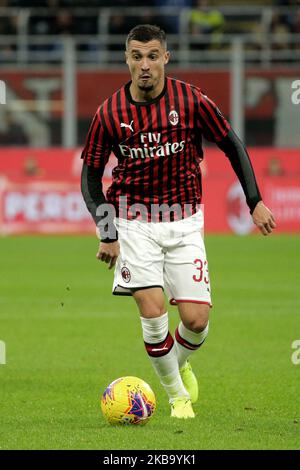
column 154, row 124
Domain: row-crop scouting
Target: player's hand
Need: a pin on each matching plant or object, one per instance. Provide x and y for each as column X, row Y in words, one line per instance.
column 263, row 218
column 108, row 252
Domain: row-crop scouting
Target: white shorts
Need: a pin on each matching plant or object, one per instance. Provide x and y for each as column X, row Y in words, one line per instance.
column 170, row 255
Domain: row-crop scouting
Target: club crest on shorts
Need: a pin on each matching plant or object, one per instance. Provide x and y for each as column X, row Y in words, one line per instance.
column 173, row 117
column 126, row 276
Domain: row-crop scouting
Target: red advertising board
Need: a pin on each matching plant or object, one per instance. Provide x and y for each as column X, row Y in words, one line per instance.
column 278, row 175
column 271, row 118
column 40, row 191
column 94, row 86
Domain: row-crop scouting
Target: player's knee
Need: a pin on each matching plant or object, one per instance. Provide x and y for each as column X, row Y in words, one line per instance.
column 151, row 311
column 151, row 304
column 197, row 325
column 199, row 320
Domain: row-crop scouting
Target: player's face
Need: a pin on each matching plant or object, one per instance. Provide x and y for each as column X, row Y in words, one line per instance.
column 146, row 62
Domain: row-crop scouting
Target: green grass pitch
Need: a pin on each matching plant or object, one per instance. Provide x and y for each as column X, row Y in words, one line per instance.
column 67, row 338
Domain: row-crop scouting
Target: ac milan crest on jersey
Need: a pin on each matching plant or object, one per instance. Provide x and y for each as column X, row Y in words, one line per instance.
column 173, row 117
column 126, row 276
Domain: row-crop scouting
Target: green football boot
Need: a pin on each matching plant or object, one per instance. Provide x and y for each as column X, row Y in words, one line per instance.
column 189, row 381
column 182, row 408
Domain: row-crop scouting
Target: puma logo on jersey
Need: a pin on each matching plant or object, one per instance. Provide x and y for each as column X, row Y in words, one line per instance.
column 130, row 126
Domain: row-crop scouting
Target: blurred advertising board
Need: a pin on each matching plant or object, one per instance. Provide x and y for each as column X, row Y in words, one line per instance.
column 40, row 191
column 271, row 118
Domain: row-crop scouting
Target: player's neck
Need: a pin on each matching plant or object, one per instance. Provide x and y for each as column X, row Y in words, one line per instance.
column 144, row 95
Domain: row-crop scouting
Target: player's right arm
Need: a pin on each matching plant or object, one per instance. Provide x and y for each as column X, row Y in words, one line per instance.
column 95, row 156
column 91, row 188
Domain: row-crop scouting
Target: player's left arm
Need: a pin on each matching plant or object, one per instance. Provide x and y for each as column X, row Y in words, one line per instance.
column 237, row 153
column 215, row 128
column 263, row 218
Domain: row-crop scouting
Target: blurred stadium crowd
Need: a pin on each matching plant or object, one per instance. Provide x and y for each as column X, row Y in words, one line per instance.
column 205, row 22
column 201, row 37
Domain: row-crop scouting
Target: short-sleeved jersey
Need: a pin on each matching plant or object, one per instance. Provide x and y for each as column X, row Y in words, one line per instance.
column 158, row 145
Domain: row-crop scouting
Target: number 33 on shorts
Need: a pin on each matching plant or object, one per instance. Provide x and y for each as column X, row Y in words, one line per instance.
column 190, row 282
column 201, row 268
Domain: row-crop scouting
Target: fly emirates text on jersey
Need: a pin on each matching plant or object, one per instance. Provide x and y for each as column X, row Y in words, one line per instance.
column 151, row 146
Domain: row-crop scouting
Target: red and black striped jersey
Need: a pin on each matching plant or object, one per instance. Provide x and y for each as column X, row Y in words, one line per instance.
column 158, row 145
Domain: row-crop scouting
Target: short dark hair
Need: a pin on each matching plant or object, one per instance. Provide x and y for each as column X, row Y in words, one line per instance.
column 145, row 33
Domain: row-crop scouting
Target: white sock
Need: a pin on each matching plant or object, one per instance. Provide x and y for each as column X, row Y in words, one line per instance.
column 159, row 345
column 187, row 342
